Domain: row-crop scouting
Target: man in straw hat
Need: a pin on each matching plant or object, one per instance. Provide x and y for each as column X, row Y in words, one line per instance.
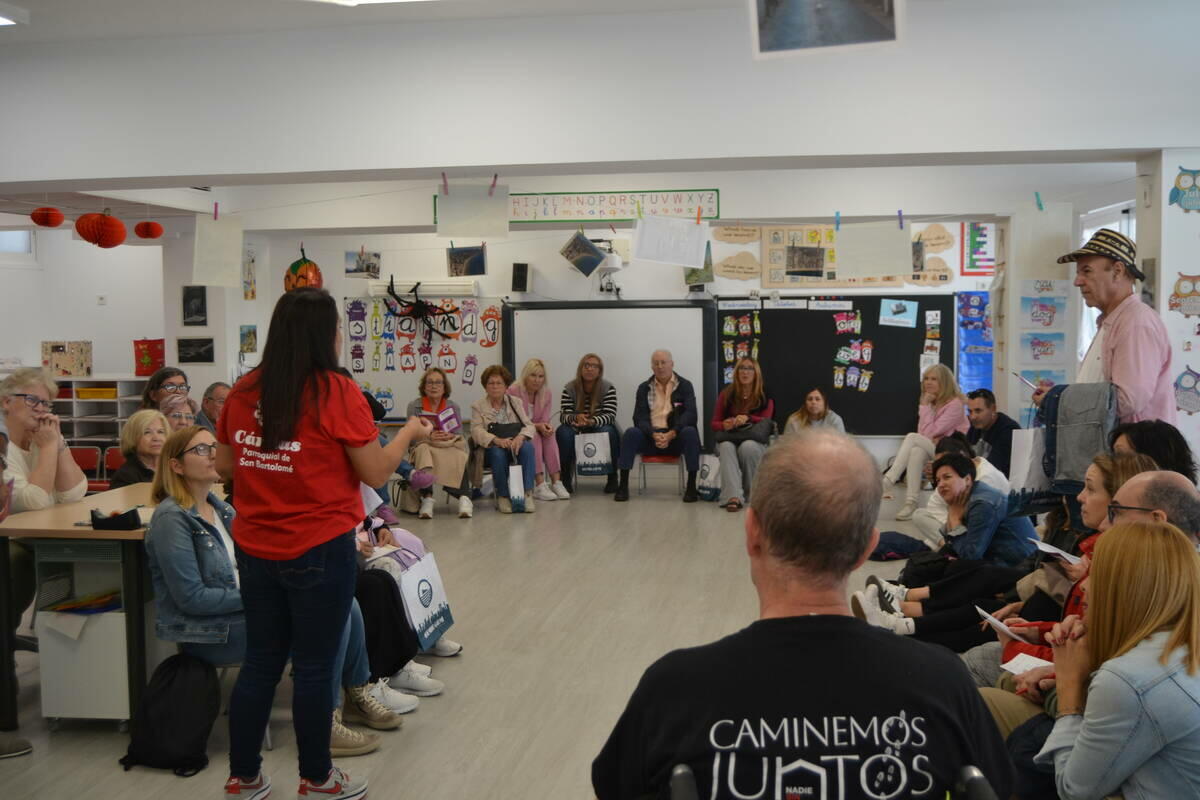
column 1131, row 349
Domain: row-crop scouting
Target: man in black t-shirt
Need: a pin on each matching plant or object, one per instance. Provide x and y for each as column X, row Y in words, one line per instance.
column 807, row 703
column 991, row 430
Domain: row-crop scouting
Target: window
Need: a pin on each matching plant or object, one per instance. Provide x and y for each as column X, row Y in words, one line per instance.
column 18, row 249
column 1121, row 219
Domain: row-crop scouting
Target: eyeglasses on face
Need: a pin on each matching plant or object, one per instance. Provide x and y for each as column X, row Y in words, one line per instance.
column 182, row 416
column 591, row 365
column 35, row 402
column 745, row 368
column 1115, row 509
column 202, row 450
column 175, row 387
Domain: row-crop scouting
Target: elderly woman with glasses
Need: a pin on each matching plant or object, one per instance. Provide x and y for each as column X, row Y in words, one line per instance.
column 180, row 411
column 39, row 463
column 164, row 383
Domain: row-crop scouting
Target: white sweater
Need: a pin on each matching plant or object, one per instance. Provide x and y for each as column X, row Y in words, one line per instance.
column 27, row 496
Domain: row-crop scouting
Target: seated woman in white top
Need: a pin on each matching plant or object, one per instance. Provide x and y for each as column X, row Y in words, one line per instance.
column 815, row 413
column 40, row 465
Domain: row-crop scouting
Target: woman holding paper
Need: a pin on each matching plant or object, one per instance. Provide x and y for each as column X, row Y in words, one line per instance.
column 1128, row 672
column 942, row 411
column 531, row 391
column 444, row 456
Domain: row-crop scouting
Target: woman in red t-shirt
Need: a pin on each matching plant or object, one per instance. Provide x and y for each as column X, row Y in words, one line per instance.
column 297, row 438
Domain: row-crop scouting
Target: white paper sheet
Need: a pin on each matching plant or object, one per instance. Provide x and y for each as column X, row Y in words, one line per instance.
column 469, row 213
column 1025, row 662
column 873, row 250
column 667, row 240
column 370, row 497
column 1054, row 551
column 69, row 625
column 996, row 624
column 217, row 251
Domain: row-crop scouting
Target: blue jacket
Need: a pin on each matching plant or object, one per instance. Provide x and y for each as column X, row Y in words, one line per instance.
column 1140, row 733
column 683, row 404
column 195, row 590
column 988, row 532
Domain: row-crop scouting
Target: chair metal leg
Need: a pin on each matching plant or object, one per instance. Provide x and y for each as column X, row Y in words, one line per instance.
column 641, row 476
column 681, row 475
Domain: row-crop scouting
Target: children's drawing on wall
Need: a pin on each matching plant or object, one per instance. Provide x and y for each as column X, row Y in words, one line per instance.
column 694, row 277
column 1186, row 192
column 248, row 339
column 466, row 261
column 363, row 264
column 1186, row 296
column 250, row 274
column 195, row 351
column 1187, row 394
column 1044, row 348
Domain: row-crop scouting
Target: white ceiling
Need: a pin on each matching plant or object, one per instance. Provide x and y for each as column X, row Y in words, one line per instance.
column 76, row 20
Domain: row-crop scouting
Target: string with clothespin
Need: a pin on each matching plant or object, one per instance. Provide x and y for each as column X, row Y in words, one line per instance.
column 492, row 188
column 216, row 209
column 445, row 185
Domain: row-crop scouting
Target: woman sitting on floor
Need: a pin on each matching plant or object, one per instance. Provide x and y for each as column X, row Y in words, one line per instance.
column 142, row 441
column 815, row 413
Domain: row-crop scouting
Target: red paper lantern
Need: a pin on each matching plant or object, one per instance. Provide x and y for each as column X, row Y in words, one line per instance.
column 102, row 230
column 148, row 230
column 47, row 217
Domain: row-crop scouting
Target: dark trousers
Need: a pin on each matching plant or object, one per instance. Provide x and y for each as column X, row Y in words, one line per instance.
column 299, row 606
column 965, row 581
column 565, row 436
column 391, row 641
column 687, row 442
column 957, row 628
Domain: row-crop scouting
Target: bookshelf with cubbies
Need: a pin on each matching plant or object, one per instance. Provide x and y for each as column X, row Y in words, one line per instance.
column 92, row 409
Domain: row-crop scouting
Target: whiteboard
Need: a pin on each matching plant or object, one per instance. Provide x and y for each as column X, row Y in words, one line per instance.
column 624, row 337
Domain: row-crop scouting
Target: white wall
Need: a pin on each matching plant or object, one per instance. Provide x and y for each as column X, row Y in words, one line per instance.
column 969, row 77
column 58, row 300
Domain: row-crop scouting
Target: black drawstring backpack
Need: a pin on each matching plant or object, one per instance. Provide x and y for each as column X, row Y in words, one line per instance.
column 175, row 717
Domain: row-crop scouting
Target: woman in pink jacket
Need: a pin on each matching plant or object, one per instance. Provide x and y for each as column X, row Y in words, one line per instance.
column 531, row 390
column 940, row 413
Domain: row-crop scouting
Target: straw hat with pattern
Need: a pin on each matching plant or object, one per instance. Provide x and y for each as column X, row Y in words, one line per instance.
column 1110, row 244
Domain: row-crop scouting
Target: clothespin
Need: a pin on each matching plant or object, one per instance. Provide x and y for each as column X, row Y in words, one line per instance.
column 451, row 244
column 900, row 216
column 445, row 185
column 639, row 206
column 492, row 188
column 611, row 228
column 698, row 210
column 1038, row 197
column 837, row 220
column 216, row 209
column 581, row 229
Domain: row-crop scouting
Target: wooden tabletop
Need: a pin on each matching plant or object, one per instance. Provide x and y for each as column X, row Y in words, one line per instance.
column 59, row 522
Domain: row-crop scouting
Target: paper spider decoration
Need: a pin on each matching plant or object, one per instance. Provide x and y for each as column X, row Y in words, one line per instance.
column 422, row 312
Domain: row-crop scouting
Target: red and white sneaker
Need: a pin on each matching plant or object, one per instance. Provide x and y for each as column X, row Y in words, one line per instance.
column 338, row 786
column 257, row 789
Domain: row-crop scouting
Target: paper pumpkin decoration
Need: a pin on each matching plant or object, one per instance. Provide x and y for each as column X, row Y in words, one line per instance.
column 302, row 272
column 47, row 217
column 102, row 230
column 148, row 230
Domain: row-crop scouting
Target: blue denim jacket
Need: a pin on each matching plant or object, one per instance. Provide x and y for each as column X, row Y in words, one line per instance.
column 1140, row 734
column 195, row 590
column 988, row 532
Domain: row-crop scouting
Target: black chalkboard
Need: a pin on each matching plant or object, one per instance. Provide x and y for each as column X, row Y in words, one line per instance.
column 798, row 350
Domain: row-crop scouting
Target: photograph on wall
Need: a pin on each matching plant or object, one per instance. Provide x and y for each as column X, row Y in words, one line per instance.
column 1043, row 348
column 787, row 27
column 250, row 274
column 362, row 264
column 807, row 262
column 195, row 306
column 466, row 261
column 248, row 339
column 196, row 351
column 583, row 254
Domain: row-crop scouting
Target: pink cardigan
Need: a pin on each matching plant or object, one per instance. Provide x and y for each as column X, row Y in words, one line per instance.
column 538, row 412
column 933, row 423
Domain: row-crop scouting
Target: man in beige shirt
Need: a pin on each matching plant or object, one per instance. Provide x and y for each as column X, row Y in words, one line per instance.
column 664, row 423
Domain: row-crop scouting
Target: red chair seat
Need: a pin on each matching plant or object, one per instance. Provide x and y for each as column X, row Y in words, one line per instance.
column 660, row 459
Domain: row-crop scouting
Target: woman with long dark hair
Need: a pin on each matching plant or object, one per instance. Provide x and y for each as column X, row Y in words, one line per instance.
column 743, row 424
column 588, row 405
column 297, row 437
column 165, row 382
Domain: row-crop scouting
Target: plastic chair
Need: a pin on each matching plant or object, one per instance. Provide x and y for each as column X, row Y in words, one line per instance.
column 114, row 459
column 644, row 460
column 88, row 459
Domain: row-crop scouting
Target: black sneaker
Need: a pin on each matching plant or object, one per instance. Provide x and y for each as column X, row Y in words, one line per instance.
column 690, row 495
column 622, row 494
column 610, row 485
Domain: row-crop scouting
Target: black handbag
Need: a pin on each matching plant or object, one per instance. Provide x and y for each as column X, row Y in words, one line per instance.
column 506, row 430
column 752, row 431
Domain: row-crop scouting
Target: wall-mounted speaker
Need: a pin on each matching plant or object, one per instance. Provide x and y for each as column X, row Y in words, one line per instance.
column 520, row 277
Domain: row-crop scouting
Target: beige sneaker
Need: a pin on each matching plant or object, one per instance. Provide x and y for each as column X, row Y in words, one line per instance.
column 528, row 504
column 363, row 707
column 504, row 504
column 345, row 742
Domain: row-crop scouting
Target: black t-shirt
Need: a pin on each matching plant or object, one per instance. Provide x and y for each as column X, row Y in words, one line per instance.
column 804, row 708
column 997, row 442
column 131, row 472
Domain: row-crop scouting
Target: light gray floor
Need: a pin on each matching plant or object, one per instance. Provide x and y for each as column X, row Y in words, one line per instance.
column 560, row 613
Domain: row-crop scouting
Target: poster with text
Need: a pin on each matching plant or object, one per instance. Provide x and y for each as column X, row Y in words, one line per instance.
column 1048, row 312
column 1044, row 348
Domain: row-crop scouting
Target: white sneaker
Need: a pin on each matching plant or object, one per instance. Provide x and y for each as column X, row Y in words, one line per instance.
column 413, row 682
column 529, row 503
column 865, row 606
column 465, row 507
column 398, row 702
column 426, row 511
column 444, row 648
column 418, row 667
column 560, row 491
column 891, row 595
column 906, row 511
column 543, row 492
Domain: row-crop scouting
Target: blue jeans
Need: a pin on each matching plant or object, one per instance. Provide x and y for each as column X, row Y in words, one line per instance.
column 297, row 607
column 687, row 442
column 565, row 436
column 221, row 654
column 499, row 459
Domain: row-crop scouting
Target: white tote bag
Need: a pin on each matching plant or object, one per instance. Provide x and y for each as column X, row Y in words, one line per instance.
column 1026, row 470
column 593, row 455
column 516, row 488
column 708, row 482
column 425, row 602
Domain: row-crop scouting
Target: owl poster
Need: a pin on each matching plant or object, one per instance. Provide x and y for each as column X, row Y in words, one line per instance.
column 1186, row 192
column 1186, row 296
column 1187, row 394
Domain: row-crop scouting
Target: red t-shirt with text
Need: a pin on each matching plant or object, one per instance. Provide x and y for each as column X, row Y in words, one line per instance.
column 305, row 492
